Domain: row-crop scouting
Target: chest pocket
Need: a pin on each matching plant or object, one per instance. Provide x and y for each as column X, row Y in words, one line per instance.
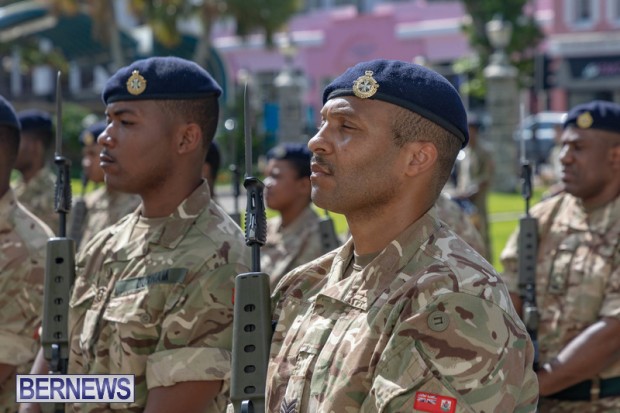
column 143, row 301
column 561, row 267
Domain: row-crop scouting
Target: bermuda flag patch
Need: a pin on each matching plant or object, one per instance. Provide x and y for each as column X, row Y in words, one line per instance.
column 434, row 403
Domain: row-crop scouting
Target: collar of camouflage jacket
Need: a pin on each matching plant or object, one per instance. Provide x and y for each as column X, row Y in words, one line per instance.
column 364, row 289
column 599, row 221
column 168, row 235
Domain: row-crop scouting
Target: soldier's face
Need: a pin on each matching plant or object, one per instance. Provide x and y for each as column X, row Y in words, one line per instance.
column 356, row 163
column 90, row 163
column 590, row 164
column 137, row 147
column 283, row 186
column 27, row 146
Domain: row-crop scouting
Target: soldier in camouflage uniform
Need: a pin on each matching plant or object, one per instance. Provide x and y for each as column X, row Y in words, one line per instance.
column 35, row 184
column 403, row 317
column 153, row 294
column 474, row 174
column 23, row 240
column 293, row 236
column 458, row 221
column 103, row 206
column 578, row 268
column 211, row 167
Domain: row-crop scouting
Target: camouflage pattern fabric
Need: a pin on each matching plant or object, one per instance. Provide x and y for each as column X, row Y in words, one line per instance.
column 23, row 241
column 290, row 247
column 153, row 298
column 474, row 174
column 426, row 318
column 577, row 280
column 458, row 221
column 105, row 208
column 38, row 196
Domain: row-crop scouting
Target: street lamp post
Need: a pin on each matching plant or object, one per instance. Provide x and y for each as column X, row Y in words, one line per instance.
column 502, row 100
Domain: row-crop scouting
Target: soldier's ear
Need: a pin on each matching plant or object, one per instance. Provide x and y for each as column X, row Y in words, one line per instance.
column 190, row 138
column 421, row 157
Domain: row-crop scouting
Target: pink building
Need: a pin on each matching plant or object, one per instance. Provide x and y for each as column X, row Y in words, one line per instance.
column 582, row 43
column 328, row 41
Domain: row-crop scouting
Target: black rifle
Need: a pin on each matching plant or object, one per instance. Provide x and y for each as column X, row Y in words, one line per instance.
column 78, row 215
column 528, row 249
column 252, row 308
column 329, row 239
column 59, row 266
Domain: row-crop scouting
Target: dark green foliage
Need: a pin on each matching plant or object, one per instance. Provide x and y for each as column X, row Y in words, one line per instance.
column 526, row 36
column 266, row 15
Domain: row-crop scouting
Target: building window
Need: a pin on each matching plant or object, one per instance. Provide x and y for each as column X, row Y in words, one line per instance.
column 583, row 11
column 581, row 14
column 613, row 12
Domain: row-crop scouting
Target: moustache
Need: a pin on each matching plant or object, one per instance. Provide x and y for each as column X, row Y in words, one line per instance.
column 322, row 163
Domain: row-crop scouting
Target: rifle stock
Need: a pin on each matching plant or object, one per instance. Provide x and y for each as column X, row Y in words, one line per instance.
column 252, row 308
column 59, row 266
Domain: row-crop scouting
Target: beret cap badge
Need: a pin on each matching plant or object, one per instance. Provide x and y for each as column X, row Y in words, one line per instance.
column 584, row 121
column 136, row 84
column 89, row 138
column 365, row 86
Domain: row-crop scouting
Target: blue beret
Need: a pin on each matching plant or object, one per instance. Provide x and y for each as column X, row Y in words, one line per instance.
column 160, row 78
column 598, row 114
column 289, row 151
column 408, row 85
column 89, row 135
column 34, row 119
column 8, row 117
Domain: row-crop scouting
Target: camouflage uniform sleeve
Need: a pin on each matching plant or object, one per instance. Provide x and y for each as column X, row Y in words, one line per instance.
column 21, row 302
column 464, row 350
column 509, row 259
column 611, row 302
column 196, row 334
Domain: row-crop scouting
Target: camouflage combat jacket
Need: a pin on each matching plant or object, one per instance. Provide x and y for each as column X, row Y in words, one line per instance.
column 103, row 208
column 23, row 240
column 160, row 306
column 425, row 320
column 577, row 276
column 38, row 196
column 458, row 221
column 290, row 247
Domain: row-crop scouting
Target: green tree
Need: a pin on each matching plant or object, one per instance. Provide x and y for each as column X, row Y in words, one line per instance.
column 263, row 15
column 522, row 48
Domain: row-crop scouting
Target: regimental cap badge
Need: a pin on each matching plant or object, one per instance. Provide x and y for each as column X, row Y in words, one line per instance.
column 136, row 84
column 585, row 120
column 365, row 86
column 88, row 138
